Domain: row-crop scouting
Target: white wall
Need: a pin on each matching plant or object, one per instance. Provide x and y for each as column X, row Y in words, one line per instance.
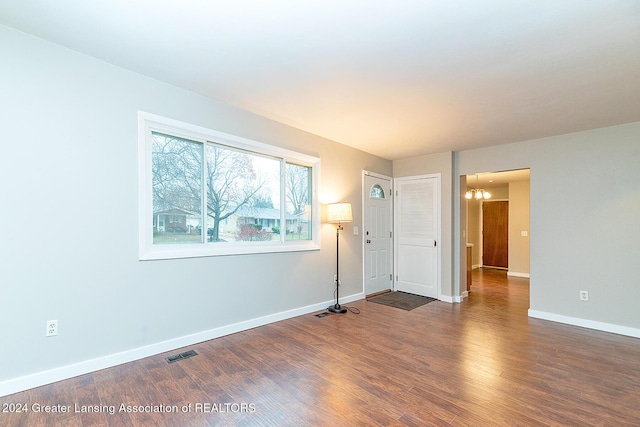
column 69, row 225
column 519, row 254
column 584, row 233
column 474, row 230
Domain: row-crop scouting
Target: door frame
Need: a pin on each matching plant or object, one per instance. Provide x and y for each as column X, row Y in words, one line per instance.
column 438, row 209
column 460, row 231
column 365, row 194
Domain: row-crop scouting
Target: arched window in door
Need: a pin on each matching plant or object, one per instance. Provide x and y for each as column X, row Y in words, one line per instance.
column 376, row 192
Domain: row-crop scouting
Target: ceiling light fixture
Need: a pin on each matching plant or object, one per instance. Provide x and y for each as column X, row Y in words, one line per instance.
column 477, row 193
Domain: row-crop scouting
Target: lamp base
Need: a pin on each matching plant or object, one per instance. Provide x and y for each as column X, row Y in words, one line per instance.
column 337, row 309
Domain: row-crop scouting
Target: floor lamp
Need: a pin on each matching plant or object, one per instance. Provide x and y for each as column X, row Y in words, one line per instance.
column 338, row 213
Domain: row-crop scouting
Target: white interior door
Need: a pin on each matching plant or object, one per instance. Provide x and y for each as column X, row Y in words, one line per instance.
column 377, row 234
column 417, row 232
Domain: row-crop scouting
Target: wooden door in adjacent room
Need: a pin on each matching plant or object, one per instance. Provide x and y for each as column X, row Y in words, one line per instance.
column 495, row 234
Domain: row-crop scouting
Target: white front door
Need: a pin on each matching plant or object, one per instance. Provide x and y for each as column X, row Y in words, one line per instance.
column 417, row 229
column 377, row 233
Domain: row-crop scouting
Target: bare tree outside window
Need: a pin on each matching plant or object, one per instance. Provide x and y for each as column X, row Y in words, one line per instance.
column 207, row 192
column 177, row 189
column 233, row 182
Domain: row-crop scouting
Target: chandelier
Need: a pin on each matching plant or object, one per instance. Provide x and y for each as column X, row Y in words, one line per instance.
column 477, row 193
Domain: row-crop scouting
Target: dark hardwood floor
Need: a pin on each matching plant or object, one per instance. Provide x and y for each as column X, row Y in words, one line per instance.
column 479, row 363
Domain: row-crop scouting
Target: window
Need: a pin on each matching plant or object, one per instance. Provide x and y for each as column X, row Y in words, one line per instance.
column 205, row 193
column 376, row 192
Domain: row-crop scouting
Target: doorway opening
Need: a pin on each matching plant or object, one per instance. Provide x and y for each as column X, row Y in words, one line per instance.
column 497, row 227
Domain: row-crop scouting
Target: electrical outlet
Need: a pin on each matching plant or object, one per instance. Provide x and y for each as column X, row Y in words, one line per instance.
column 584, row 295
column 52, row 328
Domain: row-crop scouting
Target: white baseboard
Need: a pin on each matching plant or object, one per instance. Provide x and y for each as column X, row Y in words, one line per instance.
column 449, row 299
column 455, row 299
column 590, row 324
column 38, row 379
column 516, row 274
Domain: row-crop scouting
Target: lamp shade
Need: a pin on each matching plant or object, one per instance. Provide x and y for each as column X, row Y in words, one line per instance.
column 339, row 212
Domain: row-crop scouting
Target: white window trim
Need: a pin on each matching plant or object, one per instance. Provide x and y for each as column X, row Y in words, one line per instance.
column 147, row 250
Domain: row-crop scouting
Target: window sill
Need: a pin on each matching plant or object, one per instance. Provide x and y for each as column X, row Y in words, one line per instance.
column 160, row 252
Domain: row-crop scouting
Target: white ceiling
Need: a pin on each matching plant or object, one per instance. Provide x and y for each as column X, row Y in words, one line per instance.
column 395, row 78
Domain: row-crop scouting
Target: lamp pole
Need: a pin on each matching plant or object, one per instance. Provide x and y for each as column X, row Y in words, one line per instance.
column 337, row 213
column 337, row 308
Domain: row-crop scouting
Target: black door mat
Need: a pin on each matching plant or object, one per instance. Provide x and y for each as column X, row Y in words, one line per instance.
column 403, row 300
